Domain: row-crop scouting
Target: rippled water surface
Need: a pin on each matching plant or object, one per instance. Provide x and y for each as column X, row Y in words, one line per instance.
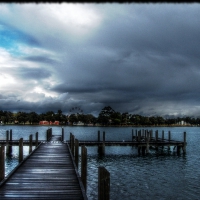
column 163, row 175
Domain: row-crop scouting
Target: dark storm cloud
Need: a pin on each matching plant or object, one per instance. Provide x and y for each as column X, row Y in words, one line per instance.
column 33, row 73
column 139, row 58
column 40, row 59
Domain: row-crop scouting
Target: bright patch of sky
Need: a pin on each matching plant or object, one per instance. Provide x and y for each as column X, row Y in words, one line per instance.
column 12, row 39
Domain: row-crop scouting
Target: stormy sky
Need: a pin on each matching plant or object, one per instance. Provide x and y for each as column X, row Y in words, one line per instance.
column 139, row 58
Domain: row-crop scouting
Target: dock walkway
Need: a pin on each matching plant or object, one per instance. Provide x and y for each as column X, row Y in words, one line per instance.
column 48, row 173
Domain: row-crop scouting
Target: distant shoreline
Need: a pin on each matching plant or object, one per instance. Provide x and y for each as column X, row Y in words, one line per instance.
column 117, row 126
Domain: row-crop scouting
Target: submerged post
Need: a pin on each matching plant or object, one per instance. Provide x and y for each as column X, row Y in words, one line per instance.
column 156, row 137
column 139, row 139
column 10, row 146
column 20, row 150
column 72, row 144
column 84, row 166
column 7, row 143
column 30, row 143
column 169, row 138
column 36, row 139
column 76, row 152
column 163, row 137
column 47, row 134
column 2, row 162
column 98, row 136
column 136, row 134
column 147, row 147
column 184, row 144
column 103, row 184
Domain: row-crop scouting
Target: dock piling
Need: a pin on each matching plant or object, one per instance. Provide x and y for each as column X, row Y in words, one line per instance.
column 184, row 140
column 20, row 150
column 30, row 143
column 103, row 184
column 76, row 152
column 36, row 139
column 2, row 162
column 84, row 166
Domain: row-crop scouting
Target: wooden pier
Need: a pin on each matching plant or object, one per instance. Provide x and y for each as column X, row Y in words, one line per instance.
column 143, row 140
column 51, row 169
column 49, row 172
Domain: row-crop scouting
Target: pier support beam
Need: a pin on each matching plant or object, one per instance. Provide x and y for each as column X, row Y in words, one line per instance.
column 9, row 145
column 20, row 150
column 72, row 143
column 178, row 148
column 169, row 138
column 2, row 162
column 156, row 138
column 8, row 140
column 84, row 166
column 101, row 146
column 147, row 139
column 184, row 145
column 30, row 143
column 36, row 139
column 139, row 139
column 103, row 184
column 76, row 152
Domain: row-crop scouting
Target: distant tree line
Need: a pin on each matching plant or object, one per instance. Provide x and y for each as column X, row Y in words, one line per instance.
column 107, row 117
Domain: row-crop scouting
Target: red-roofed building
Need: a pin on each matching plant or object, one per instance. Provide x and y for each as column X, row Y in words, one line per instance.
column 48, row 123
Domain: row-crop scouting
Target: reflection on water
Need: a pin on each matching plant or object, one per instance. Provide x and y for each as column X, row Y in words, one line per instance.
column 162, row 175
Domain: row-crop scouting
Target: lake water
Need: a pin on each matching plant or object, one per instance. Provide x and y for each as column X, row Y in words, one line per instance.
column 154, row 176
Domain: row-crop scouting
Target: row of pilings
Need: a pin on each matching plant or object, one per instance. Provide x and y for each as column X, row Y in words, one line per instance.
column 147, row 136
column 103, row 174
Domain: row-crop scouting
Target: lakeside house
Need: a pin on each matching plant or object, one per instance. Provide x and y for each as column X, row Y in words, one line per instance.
column 49, row 123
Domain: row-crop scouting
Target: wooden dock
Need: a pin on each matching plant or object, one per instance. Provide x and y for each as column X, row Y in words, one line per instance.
column 142, row 139
column 49, row 172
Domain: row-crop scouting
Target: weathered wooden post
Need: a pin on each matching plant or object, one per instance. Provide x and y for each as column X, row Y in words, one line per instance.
column 178, row 150
column 99, row 136
column 47, row 134
column 145, row 134
column 84, row 166
column 103, row 184
column 76, row 152
column 30, row 143
column 10, row 146
column 72, row 144
column 184, row 145
column 139, row 139
column 50, row 135
column 36, row 139
column 136, row 135
column 147, row 147
column 7, row 143
column 163, row 137
column 2, row 162
column 99, row 139
column 70, row 140
column 169, row 138
column 151, row 134
column 139, row 136
column 156, row 135
column 142, row 132
column 20, row 150
column 104, row 139
column 132, row 135
column 156, row 138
